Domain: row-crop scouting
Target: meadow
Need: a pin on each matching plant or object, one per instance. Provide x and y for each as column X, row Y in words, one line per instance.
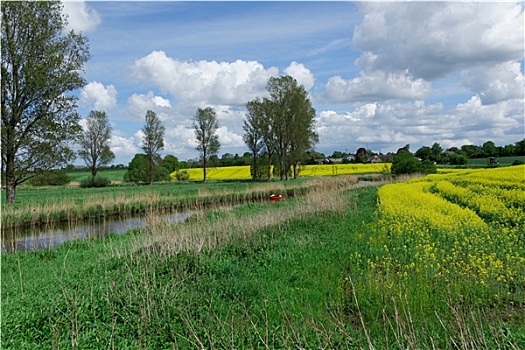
column 435, row 262
column 115, row 176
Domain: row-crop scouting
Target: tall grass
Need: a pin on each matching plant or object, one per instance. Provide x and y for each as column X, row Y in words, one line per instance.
column 89, row 205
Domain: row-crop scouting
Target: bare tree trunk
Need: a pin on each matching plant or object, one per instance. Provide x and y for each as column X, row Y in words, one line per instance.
column 10, row 178
column 204, row 169
column 254, row 169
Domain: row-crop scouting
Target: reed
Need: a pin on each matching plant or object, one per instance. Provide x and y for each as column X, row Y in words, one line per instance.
column 203, row 233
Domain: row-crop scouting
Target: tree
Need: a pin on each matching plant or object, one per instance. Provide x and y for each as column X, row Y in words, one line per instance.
column 41, row 64
column 291, row 117
column 520, row 148
column 361, row 155
column 435, row 155
column 171, row 163
column 472, row 151
column 94, row 142
column 152, row 143
column 405, row 163
column 206, row 125
column 253, row 132
column 138, row 170
column 490, row 149
column 424, row 153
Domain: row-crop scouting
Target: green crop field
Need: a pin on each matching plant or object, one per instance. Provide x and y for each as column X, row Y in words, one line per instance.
column 503, row 161
column 433, row 263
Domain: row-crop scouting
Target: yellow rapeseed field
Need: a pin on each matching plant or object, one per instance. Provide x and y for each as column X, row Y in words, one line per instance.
column 454, row 227
column 243, row 172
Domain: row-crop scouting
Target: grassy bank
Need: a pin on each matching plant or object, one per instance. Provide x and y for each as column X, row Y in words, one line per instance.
column 257, row 276
column 69, row 204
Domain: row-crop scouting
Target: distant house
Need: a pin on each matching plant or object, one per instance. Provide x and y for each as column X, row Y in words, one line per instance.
column 381, row 158
column 335, row 160
column 376, row 158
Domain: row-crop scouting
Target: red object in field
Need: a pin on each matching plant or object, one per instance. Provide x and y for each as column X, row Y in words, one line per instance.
column 276, row 197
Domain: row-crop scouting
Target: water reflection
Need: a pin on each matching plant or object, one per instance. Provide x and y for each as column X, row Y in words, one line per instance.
column 50, row 237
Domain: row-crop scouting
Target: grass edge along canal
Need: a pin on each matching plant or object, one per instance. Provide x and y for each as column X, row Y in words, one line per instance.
column 305, row 281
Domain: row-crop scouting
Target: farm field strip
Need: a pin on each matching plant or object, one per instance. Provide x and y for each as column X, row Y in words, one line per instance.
column 243, row 172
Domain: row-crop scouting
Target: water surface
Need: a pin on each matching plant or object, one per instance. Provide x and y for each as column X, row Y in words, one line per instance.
column 43, row 237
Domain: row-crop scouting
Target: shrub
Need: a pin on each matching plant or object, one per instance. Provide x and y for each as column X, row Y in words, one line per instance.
column 97, row 181
column 182, row 175
column 51, row 178
column 518, row 162
column 406, row 163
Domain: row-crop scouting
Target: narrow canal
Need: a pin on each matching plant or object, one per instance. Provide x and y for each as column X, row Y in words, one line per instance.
column 42, row 237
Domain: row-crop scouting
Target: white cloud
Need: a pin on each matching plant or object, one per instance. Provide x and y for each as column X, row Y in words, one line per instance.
column 432, row 39
column 376, row 85
column 302, row 74
column 502, row 121
column 98, row 96
column 389, row 125
column 228, row 138
column 204, row 82
column 124, row 147
column 139, row 104
column 81, row 18
column 495, row 83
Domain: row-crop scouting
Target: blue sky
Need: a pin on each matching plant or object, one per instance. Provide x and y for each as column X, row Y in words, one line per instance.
column 380, row 75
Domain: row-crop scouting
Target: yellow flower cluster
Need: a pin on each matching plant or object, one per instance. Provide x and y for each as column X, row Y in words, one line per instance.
column 457, row 226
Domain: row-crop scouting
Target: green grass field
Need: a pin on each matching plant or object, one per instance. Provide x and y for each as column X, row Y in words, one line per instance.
column 113, row 175
column 279, row 276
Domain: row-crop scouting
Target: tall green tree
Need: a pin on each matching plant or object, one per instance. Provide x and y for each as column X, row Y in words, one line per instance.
column 152, row 143
column 94, row 142
column 253, row 132
column 41, row 64
column 206, row 126
column 292, row 121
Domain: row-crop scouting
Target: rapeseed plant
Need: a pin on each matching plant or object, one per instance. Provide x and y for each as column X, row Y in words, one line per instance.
column 458, row 229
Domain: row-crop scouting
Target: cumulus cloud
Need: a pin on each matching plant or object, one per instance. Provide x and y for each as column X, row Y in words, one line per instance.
column 376, row 85
column 389, row 125
column 81, row 18
column 302, row 74
column 124, row 147
column 139, row 104
column 384, row 125
column 101, row 97
column 204, row 82
column 430, row 40
column 494, row 120
column 228, row 138
column 495, row 83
